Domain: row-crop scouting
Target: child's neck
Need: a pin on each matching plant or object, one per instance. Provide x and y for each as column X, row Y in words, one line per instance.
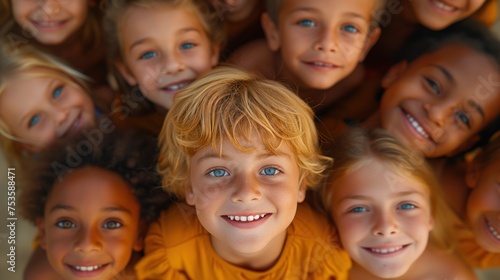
column 258, row 261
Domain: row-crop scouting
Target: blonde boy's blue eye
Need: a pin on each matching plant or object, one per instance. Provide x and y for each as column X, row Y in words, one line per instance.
column 359, row 209
column 148, row 55
column 65, row 224
column 112, row 225
column 57, row 92
column 34, row 120
column 269, row 171
column 307, row 23
column 219, row 173
column 407, row 206
column 187, row 46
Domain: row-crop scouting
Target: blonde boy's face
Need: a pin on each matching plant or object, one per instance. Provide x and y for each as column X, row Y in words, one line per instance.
column 50, row 22
column 245, row 200
column 383, row 219
column 436, row 14
column 90, row 225
column 440, row 102
column 483, row 206
column 43, row 109
column 164, row 49
column 322, row 41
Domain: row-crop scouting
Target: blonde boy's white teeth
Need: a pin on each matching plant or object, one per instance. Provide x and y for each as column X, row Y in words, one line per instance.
column 386, row 251
column 493, row 231
column 177, row 86
column 417, row 126
column 249, row 218
column 88, row 268
column 443, row 6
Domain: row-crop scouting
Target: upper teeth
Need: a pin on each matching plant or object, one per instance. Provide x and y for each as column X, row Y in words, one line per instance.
column 493, row 231
column 48, row 24
column 88, row 268
column 246, row 218
column 443, row 6
column 385, row 251
column 317, row 63
column 177, row 86
column 417, row 126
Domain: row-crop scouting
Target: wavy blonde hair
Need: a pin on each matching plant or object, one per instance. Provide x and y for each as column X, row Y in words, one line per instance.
column 230, row 104
column 17, row 60
column 356, row 146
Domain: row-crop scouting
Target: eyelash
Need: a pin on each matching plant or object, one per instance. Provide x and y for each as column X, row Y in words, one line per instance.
column 56, row 93
column 65, row 224
column 433, row 85
column 116, row 225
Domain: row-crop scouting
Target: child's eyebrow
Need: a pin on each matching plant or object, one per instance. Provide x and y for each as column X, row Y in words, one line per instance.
column 445, row 72
column 107, row 209
column 61, row 207
column 183, row 30
column 367, row 197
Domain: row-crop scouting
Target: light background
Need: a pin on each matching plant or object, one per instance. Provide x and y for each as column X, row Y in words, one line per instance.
column 25, row 231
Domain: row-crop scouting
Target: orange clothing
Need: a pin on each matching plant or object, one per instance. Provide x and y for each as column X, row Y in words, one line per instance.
column 474, row 254
column 178, row 247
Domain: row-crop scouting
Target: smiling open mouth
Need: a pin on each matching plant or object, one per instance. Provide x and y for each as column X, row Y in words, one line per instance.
column 177, row 86
column 386, row 250
column 492, row 230
column 87, row 268
column 417, row 126
column 443, row 6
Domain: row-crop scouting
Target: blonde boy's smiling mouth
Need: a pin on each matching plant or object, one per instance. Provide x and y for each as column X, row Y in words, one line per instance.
column 247, row 221
column 87, row 270
column 386, row 251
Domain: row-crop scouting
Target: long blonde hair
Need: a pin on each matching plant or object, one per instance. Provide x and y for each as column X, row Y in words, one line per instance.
column 230, row 104
column 356, row 146
column 16, row 60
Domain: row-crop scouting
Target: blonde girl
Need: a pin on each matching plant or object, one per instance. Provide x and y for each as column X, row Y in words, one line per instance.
column 41, row 100
column 386, row 205
column 160, row 47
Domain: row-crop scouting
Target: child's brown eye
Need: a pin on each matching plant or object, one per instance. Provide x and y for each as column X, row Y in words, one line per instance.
column 433, row 85
column 112, row 225
column 65, row 224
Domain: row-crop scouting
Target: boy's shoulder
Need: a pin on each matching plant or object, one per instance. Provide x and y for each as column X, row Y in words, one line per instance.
column 255, row 56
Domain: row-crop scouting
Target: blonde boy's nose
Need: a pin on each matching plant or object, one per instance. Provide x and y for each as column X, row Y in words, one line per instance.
column 246, row 190
column 327, row 41
column 173, row 63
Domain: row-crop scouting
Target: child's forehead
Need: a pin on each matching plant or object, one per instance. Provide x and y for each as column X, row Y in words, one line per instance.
column 362, row 7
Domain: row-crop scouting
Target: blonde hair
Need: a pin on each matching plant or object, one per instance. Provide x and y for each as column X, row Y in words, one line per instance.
column 17, row 61
column 355, row 147
column 115, row 9
column 230, row 104
column 91, row 29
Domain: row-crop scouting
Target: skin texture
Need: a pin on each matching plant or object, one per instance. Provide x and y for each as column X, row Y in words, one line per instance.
column 321, row 42
column 50, row 22
column 483, row 205
column 246, row 184
column 91, row 218
column 160, row 60
column 376, row 209
column 437, row 15
column 40, row 110
column 451, row 93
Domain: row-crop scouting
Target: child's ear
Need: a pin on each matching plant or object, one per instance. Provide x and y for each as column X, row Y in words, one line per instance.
column 41, row 232
column 190, row 199
column 125, row 72
column 214, row 59
column 139, row 242
column 393, row 74
column 271, row 31
column 369, row 42
column 302, row 193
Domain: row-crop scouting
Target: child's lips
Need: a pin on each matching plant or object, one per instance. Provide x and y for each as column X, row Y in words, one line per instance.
column 492, row 230
column 54, row 24
column 176, row 86
column 321, row 64
column 247, row 221
column 386, row 250
column 87, row 271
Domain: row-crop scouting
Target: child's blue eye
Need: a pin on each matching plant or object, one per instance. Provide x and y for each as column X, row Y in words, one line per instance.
column 34, row 120
column 187, row 46
column 57, row 92
column 148, row 55
column 307, row 23
column 218, row 173
column 359, row 209
column 112, row 225
column 65, row 224
column 269, row 171
column 350, row 28
column 407, row 206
